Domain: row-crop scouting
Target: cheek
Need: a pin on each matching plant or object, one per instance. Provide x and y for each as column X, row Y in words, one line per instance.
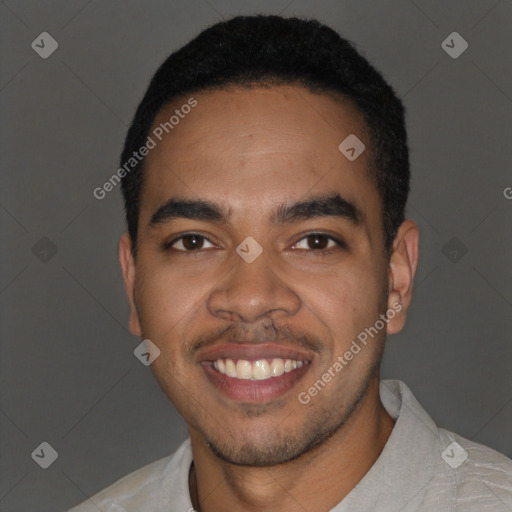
column 347, row 300
column 167, row 299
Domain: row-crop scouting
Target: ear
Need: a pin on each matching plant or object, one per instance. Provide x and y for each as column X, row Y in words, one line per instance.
column 402, row 268
column 128, row 267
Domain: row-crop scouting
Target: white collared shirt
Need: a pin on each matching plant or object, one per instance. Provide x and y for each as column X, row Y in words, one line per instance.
column 422, row 468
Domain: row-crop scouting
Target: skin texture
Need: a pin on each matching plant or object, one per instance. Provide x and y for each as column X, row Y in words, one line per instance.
column 251, row 150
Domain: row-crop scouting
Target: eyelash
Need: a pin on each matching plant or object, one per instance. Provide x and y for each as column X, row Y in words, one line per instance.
column 319, row 252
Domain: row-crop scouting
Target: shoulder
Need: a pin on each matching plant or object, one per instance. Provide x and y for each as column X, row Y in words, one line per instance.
column 142, row 486
column 482, row 477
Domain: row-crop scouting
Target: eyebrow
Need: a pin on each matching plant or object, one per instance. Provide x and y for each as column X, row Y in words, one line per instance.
column 320, row 206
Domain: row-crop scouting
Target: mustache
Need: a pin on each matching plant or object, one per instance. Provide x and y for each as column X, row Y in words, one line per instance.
column 262, row 333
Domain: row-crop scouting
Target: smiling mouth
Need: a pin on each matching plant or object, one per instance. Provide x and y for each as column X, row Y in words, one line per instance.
column 261, row 369
column 254, row 373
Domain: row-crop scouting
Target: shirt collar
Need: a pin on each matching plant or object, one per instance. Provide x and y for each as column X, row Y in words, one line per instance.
column 408, row 461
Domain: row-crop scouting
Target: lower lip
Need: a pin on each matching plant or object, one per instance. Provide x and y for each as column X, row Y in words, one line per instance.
column 253, row 391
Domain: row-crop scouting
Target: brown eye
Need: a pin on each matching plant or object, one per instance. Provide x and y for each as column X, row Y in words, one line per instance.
column 189, row 242
column 318, row 242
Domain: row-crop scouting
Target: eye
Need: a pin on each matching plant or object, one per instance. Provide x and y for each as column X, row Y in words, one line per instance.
column 319, row 242
column 189, row 242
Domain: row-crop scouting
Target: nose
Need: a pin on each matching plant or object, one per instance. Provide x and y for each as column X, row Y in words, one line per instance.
column 252, row 291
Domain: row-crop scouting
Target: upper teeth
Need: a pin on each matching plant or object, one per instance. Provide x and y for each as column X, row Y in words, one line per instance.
column 256, row 370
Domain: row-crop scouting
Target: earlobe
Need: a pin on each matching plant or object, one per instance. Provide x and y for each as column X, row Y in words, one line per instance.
column 402, row 269
column 128, row 269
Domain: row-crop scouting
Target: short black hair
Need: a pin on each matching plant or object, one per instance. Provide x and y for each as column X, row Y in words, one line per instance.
column 270, row 50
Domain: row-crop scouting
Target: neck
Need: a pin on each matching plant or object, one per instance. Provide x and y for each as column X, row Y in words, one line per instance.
column 317, row 480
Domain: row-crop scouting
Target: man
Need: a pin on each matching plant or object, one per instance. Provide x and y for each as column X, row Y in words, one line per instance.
column 265, row 177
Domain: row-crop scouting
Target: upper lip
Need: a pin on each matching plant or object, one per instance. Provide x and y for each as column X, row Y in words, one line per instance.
column 252, row 351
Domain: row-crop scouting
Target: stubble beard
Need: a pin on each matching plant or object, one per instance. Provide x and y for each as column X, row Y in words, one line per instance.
column 282, row 447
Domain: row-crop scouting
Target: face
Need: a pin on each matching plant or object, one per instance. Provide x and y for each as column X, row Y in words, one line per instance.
column 260, row 260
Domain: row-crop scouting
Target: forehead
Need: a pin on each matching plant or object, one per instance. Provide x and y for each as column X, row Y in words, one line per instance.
column 255, row 147
column 285, row 118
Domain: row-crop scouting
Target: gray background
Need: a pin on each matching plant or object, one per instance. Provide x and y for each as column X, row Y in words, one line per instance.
column 68, row 374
